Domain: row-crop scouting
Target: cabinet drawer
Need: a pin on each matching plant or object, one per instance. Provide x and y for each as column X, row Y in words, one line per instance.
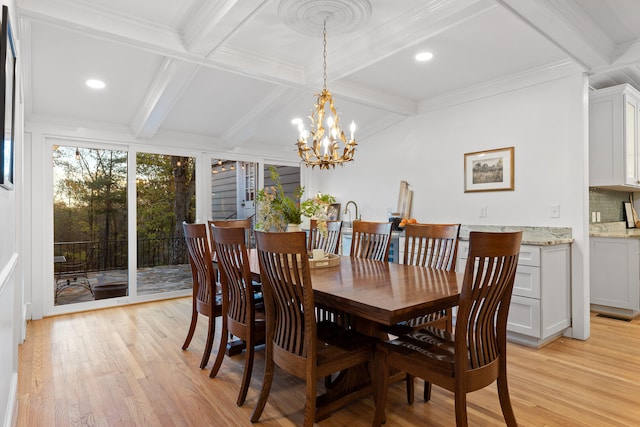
column 529, row 255
column 524, row 316
column 527, row 283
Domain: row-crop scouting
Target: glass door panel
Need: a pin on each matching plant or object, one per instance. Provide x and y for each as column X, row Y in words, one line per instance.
column 165, row 198
column 90, row 224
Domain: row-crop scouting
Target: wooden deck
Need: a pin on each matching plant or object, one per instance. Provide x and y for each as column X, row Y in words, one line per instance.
column 123, row 366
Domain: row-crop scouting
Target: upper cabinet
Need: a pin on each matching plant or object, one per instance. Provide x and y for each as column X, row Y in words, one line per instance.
column 614, row 152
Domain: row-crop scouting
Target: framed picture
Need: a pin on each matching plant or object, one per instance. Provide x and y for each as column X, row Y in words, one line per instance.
column 7, row 101
column 333, row 212
column 490, row 170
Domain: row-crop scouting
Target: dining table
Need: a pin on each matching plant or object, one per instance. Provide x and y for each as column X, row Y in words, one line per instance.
column 373, row 294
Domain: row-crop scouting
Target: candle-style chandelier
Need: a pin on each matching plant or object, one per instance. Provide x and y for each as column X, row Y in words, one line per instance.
column 321, row 145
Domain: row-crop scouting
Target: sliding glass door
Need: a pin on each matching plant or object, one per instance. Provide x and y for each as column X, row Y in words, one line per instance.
column 90, row 224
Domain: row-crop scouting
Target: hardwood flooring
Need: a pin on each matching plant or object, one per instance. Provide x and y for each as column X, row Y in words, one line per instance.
column 124, row 367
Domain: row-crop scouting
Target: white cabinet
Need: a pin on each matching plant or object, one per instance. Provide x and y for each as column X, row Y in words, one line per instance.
column 614, row 138
column 615, row 276
column 540, row 307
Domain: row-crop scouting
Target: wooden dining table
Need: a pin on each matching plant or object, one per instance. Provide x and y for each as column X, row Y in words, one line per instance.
column 375, row 293
column 378, row 292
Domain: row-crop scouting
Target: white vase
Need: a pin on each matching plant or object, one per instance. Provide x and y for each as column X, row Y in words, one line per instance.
column 293, row 227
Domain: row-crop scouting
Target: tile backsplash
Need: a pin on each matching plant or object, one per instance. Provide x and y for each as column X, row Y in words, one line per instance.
column 608, row 203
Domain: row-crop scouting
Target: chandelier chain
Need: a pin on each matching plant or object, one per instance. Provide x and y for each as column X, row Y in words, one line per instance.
column 324, row 56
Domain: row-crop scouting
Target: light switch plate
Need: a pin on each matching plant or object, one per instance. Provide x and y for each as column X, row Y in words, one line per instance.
column 554, row 211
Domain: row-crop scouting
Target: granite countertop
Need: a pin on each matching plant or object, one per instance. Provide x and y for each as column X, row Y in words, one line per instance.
column 613, row 229
column 537, row 236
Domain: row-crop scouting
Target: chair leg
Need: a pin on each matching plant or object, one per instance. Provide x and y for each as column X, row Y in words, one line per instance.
column 248, row 368
column 266, row 388
column 207, row 348
column 310, row 402
column 505, row 402
column 427, row 391
column 192, row 328
column 461, row 407
column 410, row 388
column 224, row 336
column 381, row 386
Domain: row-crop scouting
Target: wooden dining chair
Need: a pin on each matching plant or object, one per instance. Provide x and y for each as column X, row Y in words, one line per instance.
column 475, row 356
column 433, row 246
column 207, row 299
column 371, row 240
column 243, row 223
column 295, row 341
column 330, row 242
column 240, row 317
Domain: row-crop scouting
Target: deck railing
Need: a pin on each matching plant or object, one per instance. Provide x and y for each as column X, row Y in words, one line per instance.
column 113, row 254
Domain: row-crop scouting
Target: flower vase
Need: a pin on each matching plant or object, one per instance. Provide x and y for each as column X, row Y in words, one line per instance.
column 293, row 227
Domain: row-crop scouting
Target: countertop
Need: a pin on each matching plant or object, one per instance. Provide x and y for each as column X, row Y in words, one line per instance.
column 537, row 236
column 613, row 229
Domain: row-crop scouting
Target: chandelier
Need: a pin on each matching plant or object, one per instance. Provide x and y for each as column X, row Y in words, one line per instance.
column 325, row 144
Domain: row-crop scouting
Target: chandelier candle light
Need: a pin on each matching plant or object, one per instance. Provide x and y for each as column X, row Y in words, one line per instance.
column 324, row 151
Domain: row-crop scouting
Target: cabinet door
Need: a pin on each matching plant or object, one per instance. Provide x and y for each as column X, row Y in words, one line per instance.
column 615, row 272
column 631, row 140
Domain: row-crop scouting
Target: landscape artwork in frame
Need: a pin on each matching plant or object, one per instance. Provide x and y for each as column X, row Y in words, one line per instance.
column 490, row 170
column 7, row 101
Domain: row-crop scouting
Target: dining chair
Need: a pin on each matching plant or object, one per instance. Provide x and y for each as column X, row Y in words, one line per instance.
column 243, row 223
column 475, row 356
column 371, row 240
column 433, row 246
column 296, row 342
column 240, row 317
column 207, row 300
column 330, row 242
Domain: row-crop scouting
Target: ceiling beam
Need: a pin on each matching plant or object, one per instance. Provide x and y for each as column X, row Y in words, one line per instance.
column 567, row 26
column 171, row 80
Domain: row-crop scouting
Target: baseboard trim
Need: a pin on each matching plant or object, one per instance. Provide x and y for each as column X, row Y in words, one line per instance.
column 11, row 416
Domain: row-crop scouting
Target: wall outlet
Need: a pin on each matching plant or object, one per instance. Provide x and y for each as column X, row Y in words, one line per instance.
column 483, row 212
column 594, row 217
column 597, row 216
column 554, row 211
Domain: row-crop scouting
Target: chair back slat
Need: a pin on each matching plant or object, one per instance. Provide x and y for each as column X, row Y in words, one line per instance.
column 235, row 273
column 371, row 240
column 431, row 245
column 330, row 242
column 286, row 281
column 485, row 296
column 201, row 264
column 235, row 223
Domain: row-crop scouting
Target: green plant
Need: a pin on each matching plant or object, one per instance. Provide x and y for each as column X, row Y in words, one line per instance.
column 276, row 209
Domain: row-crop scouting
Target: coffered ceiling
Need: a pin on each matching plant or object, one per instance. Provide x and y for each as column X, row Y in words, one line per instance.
column 234, row 73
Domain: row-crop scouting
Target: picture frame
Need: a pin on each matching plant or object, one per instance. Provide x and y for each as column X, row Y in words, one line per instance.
column 7, row 102
column 333, row 212
column 489, row 170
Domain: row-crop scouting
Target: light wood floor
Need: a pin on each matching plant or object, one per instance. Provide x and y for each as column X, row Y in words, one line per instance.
column 124, row 367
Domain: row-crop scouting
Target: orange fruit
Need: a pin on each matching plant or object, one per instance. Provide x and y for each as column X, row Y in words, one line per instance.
column 412, row 221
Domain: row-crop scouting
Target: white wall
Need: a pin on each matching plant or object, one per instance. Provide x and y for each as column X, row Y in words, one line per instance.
column 545, row 122
column 11, row 327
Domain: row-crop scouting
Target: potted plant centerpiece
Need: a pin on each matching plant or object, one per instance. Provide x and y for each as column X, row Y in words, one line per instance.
column 278, row 212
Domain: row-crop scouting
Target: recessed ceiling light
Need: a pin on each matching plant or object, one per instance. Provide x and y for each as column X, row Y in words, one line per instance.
column 424, row 56
column 95, row 84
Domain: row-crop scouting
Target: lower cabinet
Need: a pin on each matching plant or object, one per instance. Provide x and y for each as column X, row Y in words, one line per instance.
column 615, row 276
column 540, row 309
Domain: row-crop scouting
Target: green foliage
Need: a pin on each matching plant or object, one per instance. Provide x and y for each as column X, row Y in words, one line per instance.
column 276, row 209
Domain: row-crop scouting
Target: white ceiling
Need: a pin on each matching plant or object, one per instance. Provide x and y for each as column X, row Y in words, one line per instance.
column 233, row 73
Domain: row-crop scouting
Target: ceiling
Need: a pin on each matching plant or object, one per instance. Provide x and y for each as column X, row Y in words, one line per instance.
column 234, row 74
